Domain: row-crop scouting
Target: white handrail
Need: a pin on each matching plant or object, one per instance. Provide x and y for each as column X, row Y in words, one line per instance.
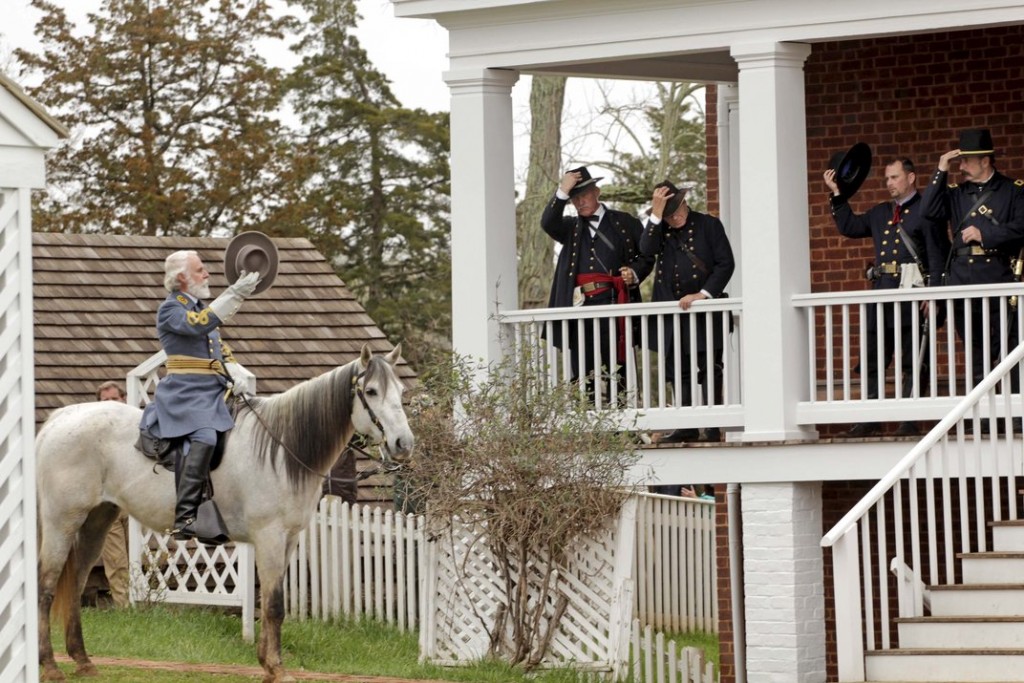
column 843, row 526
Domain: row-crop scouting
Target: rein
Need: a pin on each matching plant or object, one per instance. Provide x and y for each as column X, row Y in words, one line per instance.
column 382, row 465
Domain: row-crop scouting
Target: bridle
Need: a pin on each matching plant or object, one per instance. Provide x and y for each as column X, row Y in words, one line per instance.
column 384, row 464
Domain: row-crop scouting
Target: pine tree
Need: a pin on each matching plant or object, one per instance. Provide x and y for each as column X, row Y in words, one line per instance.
column 172, row 112
column 375, row 182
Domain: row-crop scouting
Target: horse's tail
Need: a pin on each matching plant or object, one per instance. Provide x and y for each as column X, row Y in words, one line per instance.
column 65, row 592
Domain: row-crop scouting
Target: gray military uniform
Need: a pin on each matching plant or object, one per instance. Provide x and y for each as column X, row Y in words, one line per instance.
column 187, row 402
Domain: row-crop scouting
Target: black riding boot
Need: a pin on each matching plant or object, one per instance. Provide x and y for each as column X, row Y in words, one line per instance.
column 194, row 472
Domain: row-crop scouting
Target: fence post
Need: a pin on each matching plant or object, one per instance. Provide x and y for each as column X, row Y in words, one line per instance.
column 622, row 585
column 849, row 626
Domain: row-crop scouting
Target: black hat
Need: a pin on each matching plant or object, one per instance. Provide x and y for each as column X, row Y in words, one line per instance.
column 976, row 142
column 851, row 168
column 252, row 252
column 678, row 195
column 585, row 180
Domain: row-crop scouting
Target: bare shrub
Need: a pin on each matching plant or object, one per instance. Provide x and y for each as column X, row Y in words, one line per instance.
column 526, row 469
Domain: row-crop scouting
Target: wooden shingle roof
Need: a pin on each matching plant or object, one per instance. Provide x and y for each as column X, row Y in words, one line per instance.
column 96, row 298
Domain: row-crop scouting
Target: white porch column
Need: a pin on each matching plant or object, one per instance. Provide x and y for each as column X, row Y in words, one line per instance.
column 775, row 260
column 783, row 585
column 483, row 213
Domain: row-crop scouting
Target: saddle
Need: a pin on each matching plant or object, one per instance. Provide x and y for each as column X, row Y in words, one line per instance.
column 168, row 452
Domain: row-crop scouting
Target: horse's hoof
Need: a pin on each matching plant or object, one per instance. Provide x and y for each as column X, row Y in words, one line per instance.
column 53, row 675
column 279, row 677
column 87, row 669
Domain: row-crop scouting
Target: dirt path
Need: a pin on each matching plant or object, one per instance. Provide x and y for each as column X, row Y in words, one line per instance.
column 241, row 670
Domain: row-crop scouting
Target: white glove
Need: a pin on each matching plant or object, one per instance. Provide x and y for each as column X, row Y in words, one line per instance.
column 227, row 304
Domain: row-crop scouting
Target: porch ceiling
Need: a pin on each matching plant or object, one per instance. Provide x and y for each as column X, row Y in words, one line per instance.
column 671, row 39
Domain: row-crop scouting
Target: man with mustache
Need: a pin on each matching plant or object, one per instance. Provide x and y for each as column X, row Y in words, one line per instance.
column 985, row 214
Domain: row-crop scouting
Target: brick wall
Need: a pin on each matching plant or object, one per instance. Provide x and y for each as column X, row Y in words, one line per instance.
column 906, row 96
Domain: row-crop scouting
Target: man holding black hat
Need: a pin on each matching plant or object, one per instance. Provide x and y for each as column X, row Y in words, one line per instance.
column 908, row 252
column 695, row 262
column 189, row 402
column 986, row 217
column 599, row 263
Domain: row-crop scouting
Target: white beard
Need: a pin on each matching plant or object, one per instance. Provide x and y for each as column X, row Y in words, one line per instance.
column 199, row 291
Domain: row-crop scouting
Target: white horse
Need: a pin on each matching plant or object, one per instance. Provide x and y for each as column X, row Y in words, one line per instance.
column 267, row 486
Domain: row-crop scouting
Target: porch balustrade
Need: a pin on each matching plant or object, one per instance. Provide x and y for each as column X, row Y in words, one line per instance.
column 836, row 323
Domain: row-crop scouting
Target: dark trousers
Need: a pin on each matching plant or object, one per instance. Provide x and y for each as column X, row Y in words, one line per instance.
column 908, row 362
column 993, row 333
column 685, row 376
column 597, row 362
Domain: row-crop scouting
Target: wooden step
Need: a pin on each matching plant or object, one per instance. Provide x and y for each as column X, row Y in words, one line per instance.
column 961, row 632
column 935, row 665
column 1008, row 535
column 992, row 567
column 999, row 599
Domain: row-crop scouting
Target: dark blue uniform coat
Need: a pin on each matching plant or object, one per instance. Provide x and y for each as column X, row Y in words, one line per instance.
column 932, row 247
column 677, row 275
column 582, row 253
column 1000, row 218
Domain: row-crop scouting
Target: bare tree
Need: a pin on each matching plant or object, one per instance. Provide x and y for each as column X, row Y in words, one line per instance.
column 535, row 249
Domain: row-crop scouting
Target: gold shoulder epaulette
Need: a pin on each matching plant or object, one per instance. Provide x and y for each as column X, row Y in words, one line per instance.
column 182, row 300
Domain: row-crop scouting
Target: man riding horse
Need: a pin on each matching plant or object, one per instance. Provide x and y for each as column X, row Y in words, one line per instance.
column 190, row 402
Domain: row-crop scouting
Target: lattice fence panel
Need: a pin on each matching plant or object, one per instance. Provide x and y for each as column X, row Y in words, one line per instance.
column 465, row 592
column 192, row 573
column 18, row 623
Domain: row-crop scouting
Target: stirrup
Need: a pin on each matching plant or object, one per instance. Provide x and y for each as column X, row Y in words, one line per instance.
column 185, row 532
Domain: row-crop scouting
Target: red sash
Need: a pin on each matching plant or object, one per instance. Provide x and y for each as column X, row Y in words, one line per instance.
column 621, row 297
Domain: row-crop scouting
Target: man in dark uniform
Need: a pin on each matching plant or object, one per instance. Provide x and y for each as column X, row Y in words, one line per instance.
column 695, row 262
column 901, row 237
column 599, row 263
column 986, row 216
column 190, row 401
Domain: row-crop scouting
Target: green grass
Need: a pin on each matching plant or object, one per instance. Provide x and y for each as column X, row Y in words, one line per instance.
column 705, row 641
column 209, row 636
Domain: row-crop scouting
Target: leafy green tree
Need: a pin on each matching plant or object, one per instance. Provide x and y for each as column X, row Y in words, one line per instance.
column 374, row 182
column 172, row 111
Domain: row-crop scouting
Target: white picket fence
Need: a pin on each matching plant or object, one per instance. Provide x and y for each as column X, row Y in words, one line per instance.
column 355, row 561
column 676, row 581
column 654, row 660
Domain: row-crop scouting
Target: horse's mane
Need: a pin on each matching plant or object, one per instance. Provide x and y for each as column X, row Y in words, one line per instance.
column 311, row 419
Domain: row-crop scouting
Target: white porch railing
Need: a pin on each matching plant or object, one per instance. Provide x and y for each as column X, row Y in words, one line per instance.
column 941, row 494
column 646, row 398
column 837, row 330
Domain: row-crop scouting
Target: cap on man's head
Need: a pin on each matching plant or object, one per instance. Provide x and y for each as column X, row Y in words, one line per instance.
column 585, row 180
column 976, row 142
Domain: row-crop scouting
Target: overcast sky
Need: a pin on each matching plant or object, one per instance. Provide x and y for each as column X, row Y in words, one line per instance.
column 416, row 70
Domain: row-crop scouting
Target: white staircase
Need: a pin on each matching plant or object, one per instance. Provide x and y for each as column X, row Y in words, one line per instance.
column 976, row 628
